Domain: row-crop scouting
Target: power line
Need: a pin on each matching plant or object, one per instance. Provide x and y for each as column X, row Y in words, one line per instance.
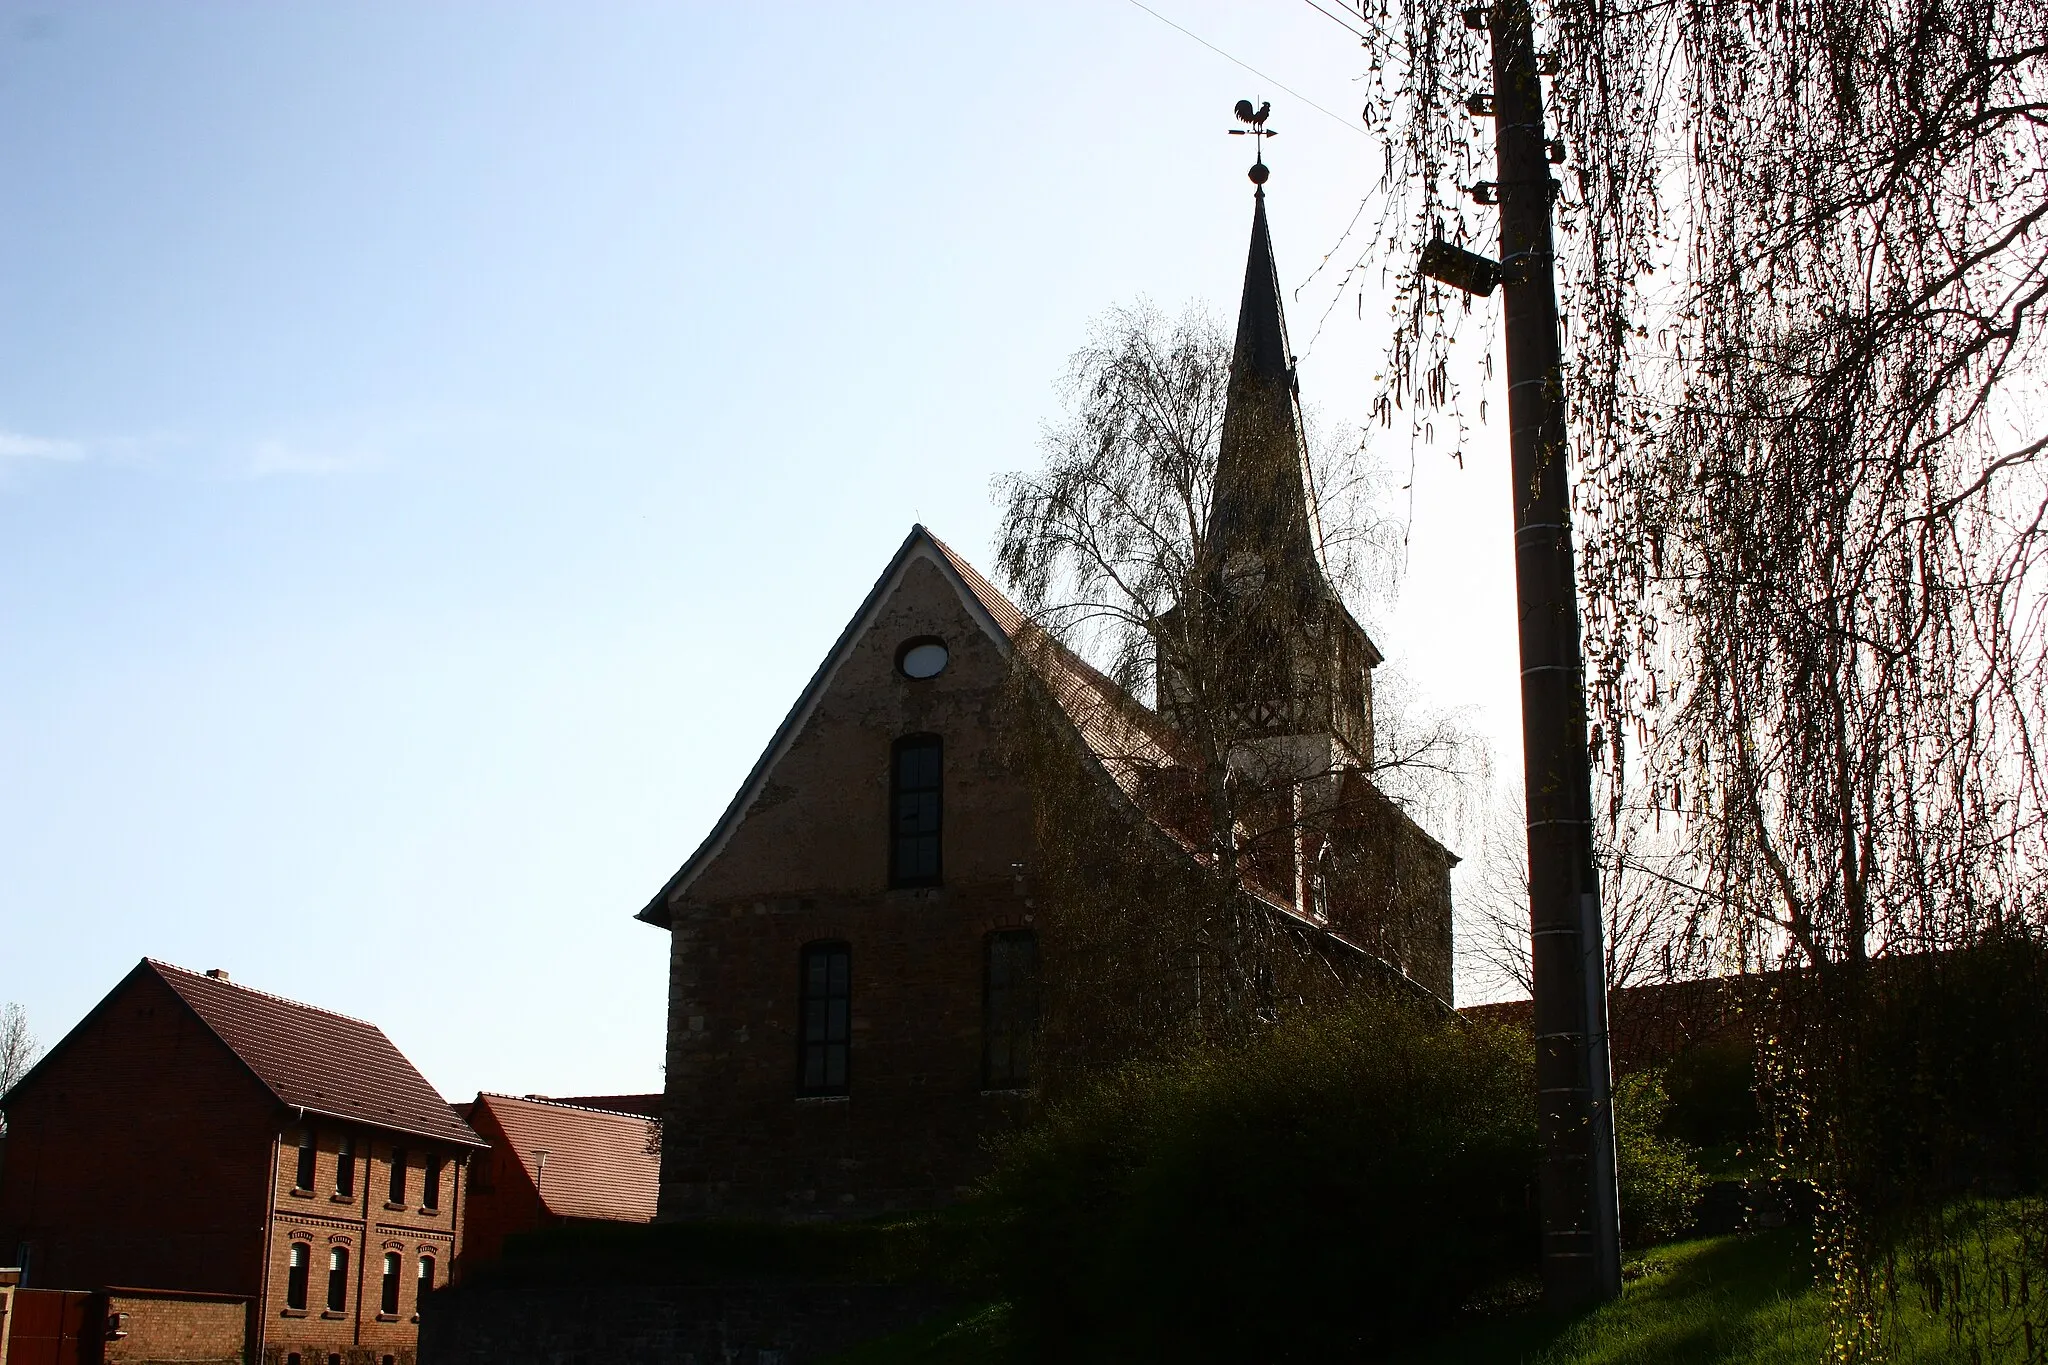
column 1249, row 67
column 1344, row 24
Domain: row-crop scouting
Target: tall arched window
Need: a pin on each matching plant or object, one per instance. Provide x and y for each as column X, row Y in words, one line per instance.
column 337, row 1279
column 345, row 1167
column 916, row 780
column 398, row 1175
column 388, row 1302
column 309, row 1153
column 824, row 1023
column 299, row 1267
column 1009, row 1009
column 426, row 1281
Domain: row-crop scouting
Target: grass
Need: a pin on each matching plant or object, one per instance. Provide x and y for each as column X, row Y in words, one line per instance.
column 1738, row 1300
column 1745, row 1299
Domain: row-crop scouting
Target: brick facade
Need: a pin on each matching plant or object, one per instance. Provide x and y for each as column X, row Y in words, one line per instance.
column 140, row 1157
column 810, row 863
column 151, row 1327
column 369, row 1227
column 145, row 1151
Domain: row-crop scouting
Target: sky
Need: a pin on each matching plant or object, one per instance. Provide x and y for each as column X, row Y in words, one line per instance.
column 438, row 441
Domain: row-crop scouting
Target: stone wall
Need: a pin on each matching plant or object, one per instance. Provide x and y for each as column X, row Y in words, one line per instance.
column 769, row 1323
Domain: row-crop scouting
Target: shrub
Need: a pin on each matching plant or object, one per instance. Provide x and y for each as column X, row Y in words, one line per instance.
column 1659, row 1183
column 1713, row 1093
column 1320, row 1192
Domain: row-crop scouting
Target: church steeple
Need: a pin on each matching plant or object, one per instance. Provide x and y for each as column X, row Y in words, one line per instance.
column 1282, row 656
column 1262, row 518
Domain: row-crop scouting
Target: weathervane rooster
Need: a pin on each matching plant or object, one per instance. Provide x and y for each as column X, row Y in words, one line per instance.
column 1256, row 118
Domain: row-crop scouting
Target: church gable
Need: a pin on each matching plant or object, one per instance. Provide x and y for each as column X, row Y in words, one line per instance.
column 813, row 818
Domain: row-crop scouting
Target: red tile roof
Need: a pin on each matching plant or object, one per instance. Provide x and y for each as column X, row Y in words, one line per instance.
column 598, row 1165
column 650, row 1105
column 317, row 1060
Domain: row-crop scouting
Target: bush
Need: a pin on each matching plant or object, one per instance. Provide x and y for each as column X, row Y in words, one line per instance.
column 1329, row 1188
column 1713, row 1093
column 1660, row 1185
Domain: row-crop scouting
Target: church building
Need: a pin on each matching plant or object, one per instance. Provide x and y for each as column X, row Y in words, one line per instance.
column 855, row 946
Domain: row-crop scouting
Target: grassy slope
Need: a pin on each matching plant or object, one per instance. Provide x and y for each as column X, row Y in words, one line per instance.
column 1716, row 1301
column 1719, row 1299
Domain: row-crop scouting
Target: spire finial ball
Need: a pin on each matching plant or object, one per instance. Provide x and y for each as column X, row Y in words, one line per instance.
column 1258, row 173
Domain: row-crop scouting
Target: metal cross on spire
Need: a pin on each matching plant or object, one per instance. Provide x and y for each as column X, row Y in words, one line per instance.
column 1256, row 119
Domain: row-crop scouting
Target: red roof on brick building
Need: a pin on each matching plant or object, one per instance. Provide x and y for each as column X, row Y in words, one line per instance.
column 598, row 1163
column 316, row 1060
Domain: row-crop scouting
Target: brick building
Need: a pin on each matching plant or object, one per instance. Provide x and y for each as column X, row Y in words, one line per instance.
column 196, row 1135
column 556, row 1162
column 853, row 953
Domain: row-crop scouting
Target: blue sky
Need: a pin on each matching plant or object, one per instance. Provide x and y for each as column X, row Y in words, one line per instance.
column 437, row 442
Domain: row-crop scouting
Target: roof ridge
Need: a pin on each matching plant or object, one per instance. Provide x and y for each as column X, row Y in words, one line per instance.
column 161, row 965
column 560, row 1104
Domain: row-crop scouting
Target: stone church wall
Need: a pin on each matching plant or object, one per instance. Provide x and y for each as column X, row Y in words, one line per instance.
column 768, row 1323
column 808, row 863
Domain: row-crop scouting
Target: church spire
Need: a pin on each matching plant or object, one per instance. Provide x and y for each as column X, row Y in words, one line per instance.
column 1284, row 659
column 1261, row 515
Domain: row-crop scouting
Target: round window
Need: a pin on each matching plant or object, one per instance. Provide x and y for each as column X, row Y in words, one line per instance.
column 922, row 658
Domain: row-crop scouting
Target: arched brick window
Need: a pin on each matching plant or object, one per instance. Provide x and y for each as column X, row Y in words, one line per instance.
column 388, row 1303
column 426, row 1280
column 915, row 787
column 297, row 1269
column 825, row 1024
column 337, row 1279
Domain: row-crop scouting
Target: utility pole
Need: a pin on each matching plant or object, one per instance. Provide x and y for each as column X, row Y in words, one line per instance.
column 1575, row 1112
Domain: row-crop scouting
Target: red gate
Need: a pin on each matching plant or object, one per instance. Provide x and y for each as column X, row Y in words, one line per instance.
column 48, row 1327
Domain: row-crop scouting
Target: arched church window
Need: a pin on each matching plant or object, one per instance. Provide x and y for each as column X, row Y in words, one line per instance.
column 914, row 811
